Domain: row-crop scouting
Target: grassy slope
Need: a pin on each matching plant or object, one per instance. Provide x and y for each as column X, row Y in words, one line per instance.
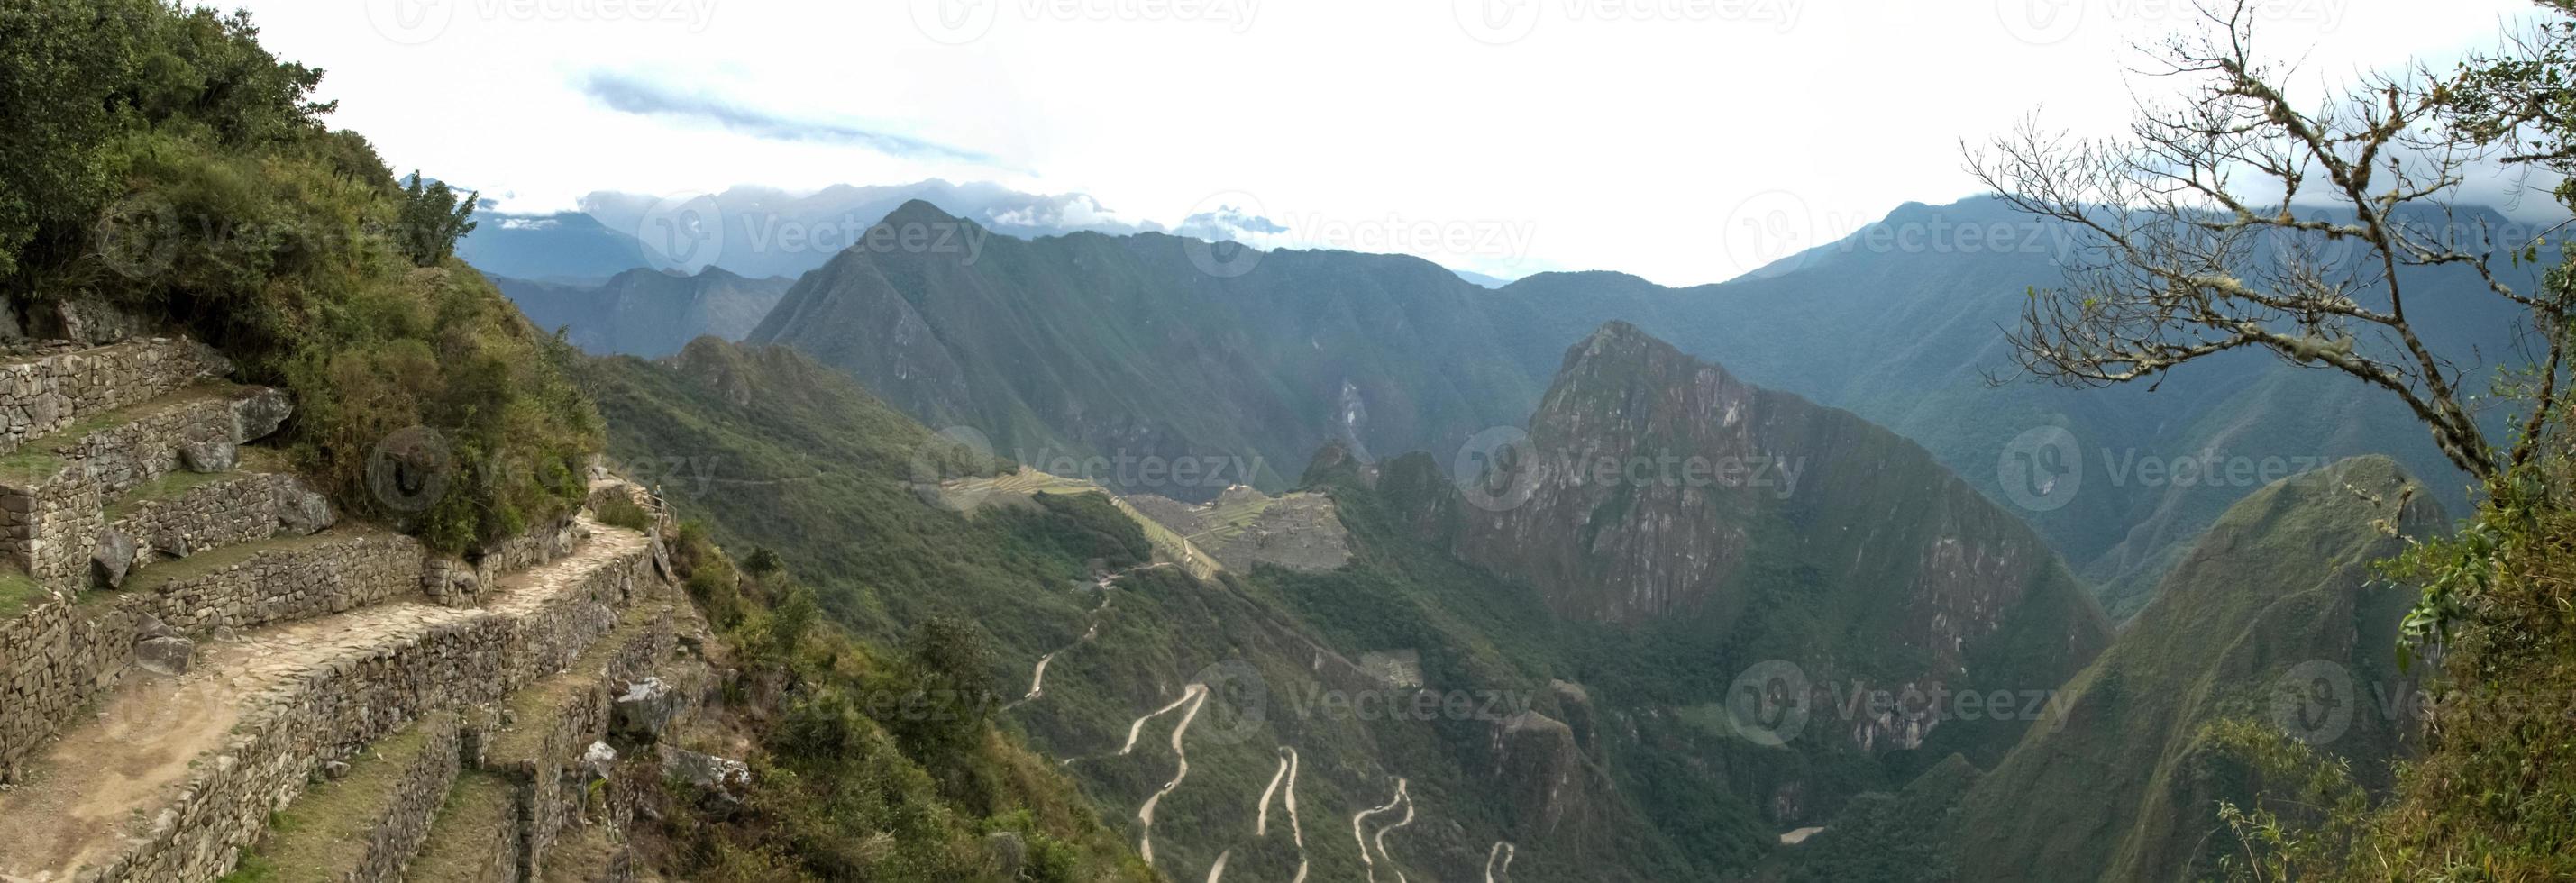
column 2122, row 787
column 883, row 559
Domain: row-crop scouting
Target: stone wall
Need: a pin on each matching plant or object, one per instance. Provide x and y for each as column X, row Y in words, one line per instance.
column 554, row 634
column 50, row 518
column 230, row 510
column 334, row 710
column 54, row 658
column 59, row 654
column 398, row 833
column 47, row 392
column 556, row 721
column 538, row 546
column 49, row 526
column 287, row 733
column 315, row 576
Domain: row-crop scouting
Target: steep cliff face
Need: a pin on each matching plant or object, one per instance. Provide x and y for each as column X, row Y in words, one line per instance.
column 1655, row 487
column 2122, row 784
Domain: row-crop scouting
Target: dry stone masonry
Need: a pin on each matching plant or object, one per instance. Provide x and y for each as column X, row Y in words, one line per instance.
column 45, row 392
column 208, row 645
column 52, row 501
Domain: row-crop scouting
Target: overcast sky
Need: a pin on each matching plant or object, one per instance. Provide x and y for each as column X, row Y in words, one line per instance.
column 1505, row 136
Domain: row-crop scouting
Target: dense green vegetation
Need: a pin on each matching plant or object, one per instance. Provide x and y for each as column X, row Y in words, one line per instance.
column 163, row 165
column 1898, row 323
column 2121, row 782
column 845, row 790
column 881, row 558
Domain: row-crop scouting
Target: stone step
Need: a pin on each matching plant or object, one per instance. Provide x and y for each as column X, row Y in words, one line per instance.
column 542, row 745
column 53, row 493
column 55, row 387
column 175, row 773
column 545, row 745
column 185, row 514
column 476, row 837
column 363, row 825
column 64, row 654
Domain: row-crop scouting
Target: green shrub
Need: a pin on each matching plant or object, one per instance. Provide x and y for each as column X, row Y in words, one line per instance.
column 161, row 161
column 620, row 510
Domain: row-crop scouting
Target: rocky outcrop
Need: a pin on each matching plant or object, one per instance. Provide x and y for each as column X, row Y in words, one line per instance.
column 1542, row 769
column 1652, row 487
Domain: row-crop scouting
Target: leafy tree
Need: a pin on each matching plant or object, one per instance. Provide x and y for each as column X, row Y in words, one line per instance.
column 2186, row 263
column 432, row 219
column 2201, row 234
column 158, row 159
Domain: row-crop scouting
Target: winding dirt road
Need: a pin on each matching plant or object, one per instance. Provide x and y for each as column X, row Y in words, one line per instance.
column 1504, row 851
column 1361, row 838
column 1196, row 697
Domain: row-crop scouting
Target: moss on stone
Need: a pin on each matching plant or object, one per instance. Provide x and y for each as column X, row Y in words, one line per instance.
column 18, row 591
column 41, row 457
column 154, row 576
column 324, row 834
column 480, row 808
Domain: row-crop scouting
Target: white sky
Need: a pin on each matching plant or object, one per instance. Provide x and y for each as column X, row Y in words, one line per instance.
column 1598, row 134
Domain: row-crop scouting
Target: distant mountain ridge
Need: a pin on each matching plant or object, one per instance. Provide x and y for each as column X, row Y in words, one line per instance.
column 644, row 312
column 758, row 231
column 1096, row 344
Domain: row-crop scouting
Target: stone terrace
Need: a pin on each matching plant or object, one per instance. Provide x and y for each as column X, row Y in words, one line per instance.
column 210, row 646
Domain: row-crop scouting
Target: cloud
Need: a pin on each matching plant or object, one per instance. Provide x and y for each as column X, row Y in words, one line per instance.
column 1229, row 223
column 628, row 94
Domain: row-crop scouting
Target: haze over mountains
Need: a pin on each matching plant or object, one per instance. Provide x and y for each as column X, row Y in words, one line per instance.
column 1880, row 518
column 755, row 232
column 1095, row 345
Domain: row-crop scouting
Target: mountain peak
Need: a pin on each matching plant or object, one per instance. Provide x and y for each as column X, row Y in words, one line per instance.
column 918, row 211
column 1617, row 341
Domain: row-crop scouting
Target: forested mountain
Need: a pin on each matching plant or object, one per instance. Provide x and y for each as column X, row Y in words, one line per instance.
column 2275, row 616
column 645, row 312
column 1091, row 345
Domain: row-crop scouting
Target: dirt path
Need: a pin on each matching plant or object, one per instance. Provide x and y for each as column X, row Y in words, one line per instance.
column 1196, row 696
column 1037, row 679
column 1261, row 819
column 1504, row 851
column 103, row 777
column 1361, row 838
column 1216, row 872
column 1400, row 793
column 107, row 777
